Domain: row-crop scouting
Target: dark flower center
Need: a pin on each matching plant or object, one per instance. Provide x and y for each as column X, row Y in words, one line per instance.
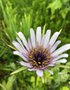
column 39, row 57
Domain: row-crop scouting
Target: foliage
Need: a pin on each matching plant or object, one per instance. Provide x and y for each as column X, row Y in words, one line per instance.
column 20, row 15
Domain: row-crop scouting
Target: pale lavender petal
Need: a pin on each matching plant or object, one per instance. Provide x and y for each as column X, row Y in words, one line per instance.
column 22, row 37
column 61, row 56
column 51, row 64
column 61, row 50
column 38, row 35
column 55, row 46
column 43, row 38
column 29, row 43
column 54, row 38
column 61, row 61
column 39, row 73
column 47, row 38
column 32, row 34
column 20, row 42
column 17, row 46
column 20, row 54
column 31, row 69
column 25, row 64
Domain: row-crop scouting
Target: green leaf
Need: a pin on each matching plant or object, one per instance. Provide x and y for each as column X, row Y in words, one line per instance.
column 56, row 4
column 65, row 88
column 10, row 82
column 64, row 12
column 2, row 87
column 17, row 71
column 26, row 24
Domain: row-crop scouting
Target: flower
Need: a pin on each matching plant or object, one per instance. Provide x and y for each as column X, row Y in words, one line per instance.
column 40, row 52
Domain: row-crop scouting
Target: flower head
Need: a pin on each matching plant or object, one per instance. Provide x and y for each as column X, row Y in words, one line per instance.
column 40, row 52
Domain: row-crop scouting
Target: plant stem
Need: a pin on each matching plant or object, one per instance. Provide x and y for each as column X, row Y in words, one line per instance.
column 35, row 81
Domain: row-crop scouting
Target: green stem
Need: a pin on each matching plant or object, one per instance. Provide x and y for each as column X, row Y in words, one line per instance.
column 35, row 81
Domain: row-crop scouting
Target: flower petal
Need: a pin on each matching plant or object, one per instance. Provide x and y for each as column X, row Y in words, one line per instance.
column 38, row 35
column 51, row 64
column 54, row 38
column 29, row 43
column 31, row 69
column 62, row 61
column 19, row 41
column 43, row 38
column 20, row 54
column 61, row 50
column 25, row 64
column 18, row 46
column 47, row 37
column 21, row 35
column 32, row 34
column 55, row 46
column 21, row 44
column 61, row 56
column 39, row 73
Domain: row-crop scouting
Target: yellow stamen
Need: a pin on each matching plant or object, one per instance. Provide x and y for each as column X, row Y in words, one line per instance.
column 39, row 62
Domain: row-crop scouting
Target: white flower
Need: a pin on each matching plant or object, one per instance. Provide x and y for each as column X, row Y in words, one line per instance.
column 40, row 52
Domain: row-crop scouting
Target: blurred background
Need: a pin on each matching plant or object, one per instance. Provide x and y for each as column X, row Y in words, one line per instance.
column 20, row 15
